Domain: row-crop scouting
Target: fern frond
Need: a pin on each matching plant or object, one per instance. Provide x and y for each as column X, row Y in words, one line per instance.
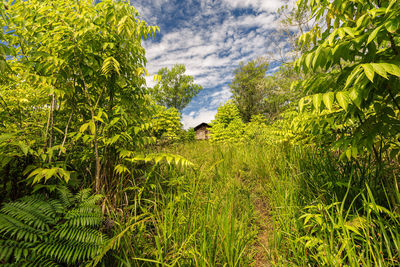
column 65, row 196
column 42, row 261
column 15, row 248
column 40, row 232
column 19, row 230
column 68, row 251
column 83, row 195
column 50, row 207
column 87, row 213
column 28, row 214
column 93, row 200
column 78, row 218
column 79, row 234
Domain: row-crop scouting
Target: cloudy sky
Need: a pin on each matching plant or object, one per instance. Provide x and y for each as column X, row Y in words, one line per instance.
column 211, row 37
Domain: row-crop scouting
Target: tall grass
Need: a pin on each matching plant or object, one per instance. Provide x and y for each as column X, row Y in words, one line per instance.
column 325, row 215
column 200, row 216
column 317, row 210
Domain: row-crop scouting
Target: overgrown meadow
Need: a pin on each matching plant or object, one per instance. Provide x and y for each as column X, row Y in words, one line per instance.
column 301, row 168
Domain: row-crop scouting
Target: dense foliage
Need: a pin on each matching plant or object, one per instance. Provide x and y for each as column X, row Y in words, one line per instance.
column 74, row 111
column 74, row 66
column 227, row 125
column 248, row 87
column 41, row 231
column 174, row 88
column 167, row 124
column 301, row 168
column 355, row 70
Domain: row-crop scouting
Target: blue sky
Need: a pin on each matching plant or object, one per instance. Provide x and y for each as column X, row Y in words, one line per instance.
column 211, row 37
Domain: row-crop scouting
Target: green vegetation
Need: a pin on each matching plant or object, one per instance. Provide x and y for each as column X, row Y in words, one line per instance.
column 174, row 89
column 355, row 71
column 167, row 123
column 248, row 87
column 45, row 231
column 301, row 168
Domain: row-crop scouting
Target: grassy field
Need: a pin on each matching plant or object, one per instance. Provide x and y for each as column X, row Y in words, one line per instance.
column 252, row 205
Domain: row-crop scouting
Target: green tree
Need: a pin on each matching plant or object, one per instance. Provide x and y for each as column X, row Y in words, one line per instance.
column 280, row 95
column 354, row 87
column 167, row 123
column 227, row 125
column 248, row 87
column 174, row 89
column 86, row 62
column 190, row 135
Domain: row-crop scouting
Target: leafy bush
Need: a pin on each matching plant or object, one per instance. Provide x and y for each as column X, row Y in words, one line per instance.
column 43, row 231
column 353, row 90
column 228, row 125
column 167, row 123
column 82, row 77
column 190, row 135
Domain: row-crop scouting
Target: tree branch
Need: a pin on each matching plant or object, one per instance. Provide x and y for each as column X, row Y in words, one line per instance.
column 65, row 133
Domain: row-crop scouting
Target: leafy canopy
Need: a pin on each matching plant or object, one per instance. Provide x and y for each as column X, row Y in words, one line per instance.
column 167, row 123
column 355, row 62
column 227, row 125
column 76, row 67
column 248, row 87
column 174, row 89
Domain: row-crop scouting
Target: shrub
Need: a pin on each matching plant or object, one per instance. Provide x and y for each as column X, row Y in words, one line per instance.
column 40, row 231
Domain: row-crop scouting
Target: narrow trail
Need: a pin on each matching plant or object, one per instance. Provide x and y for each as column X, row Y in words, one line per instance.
column 262, row 256
column 265, row 235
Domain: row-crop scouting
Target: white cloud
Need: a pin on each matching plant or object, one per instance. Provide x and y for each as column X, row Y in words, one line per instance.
column 211, row 44
column 212, row 54
column 264, row 5
column 195, row 118
column 220, row 97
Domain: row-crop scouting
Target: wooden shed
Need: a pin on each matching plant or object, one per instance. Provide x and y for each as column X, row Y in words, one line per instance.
column 202, row 131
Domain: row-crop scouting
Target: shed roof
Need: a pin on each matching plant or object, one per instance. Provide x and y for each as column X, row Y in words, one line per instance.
column 200, row 125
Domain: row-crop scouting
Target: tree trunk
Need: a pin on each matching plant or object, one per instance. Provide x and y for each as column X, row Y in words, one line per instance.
column 96, row 152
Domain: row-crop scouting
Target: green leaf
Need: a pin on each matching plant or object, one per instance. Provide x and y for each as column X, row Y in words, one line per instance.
column 369, row 71
column 50, row 173
column 317, row 54
column 92, row 127
column 372, row 36
column 392, row 25
column 393, row 69
column 332, row 37
column 301, row 104
column 392, row 2
column 83, row 127
column 355, row 97
column 309, row 60
column 354, row 151
column 378, row 68
column 349, row 31
column 343, row 99
column 360, row 20
column 328, row 99
column 317, row 99
column 356, row 71
column 24, row 148
column 348, row 153
column 341, row 33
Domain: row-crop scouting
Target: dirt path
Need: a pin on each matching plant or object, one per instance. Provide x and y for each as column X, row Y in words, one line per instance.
column 265, row 235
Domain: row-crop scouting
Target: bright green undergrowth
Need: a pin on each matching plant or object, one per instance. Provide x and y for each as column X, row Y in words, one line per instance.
column 317, row 211
column 323, row 211
column 199, row 216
